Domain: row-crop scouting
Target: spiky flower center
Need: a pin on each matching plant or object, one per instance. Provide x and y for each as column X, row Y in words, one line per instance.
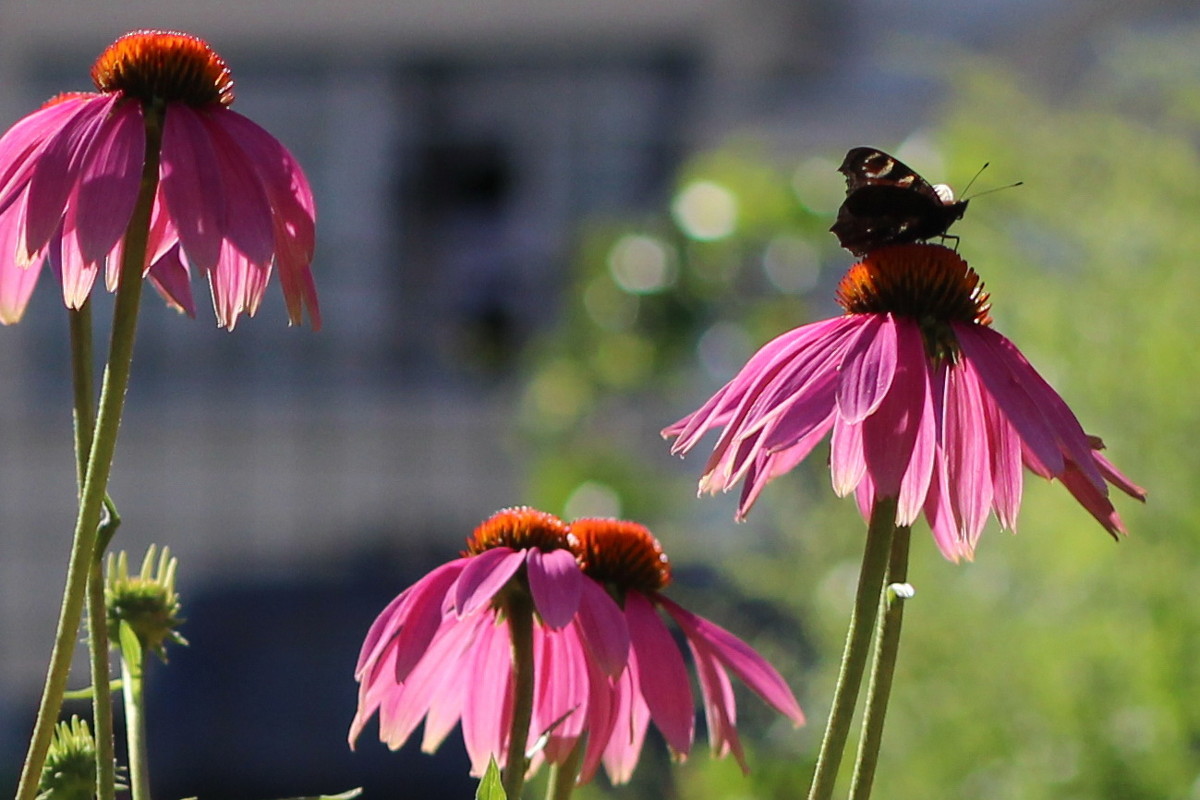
column 70, row 769
column 520, row 528
column 164, row 66
column 622, row 554
column 929, row 283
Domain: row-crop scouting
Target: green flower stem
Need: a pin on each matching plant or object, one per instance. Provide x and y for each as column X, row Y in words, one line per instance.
column 85, row 425
column 99, row 465
column 519, row 610
column 887, row 647
column 133, row 660
column 562, row 776
column 858, row 643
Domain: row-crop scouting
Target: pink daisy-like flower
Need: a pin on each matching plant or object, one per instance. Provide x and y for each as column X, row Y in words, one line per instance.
column 627, row 559
column 231, row 201
column 926, row 403
column 442, row 650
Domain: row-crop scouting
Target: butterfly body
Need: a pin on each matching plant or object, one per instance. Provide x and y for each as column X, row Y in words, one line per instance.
column 888, row 203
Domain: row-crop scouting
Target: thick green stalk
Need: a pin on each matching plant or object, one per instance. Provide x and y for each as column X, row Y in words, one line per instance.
column 887, row 647
column 858, row 643
column 99, row 466
column 133, row 660
column 563, row 776
column 85, row 425
column 519, row 610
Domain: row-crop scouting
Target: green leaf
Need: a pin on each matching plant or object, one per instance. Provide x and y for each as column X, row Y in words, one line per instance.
column 490, row 787
column 131, row 648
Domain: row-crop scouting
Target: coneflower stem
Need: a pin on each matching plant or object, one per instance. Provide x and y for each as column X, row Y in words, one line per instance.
column 99, row 465
column 562, row 776
column 858, row 644
column 133, row 660
column 879, row 687
column 519, row 610
column 80, row 320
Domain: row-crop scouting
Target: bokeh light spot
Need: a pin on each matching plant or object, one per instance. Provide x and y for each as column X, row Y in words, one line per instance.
column 592, row 499
column 641, row 264
column 705, row 211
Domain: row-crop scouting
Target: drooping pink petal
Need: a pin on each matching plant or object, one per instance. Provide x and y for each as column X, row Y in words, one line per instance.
column 401, row 706
column 603, row 627
column 890, row 434
column 602, row 719
column 556, row 585
column 169, row 276
column 1114, row 475
column 662, row 676
column 632, row 719
column 191, row 187
column 867, row 370
column 294, row 213
column 810, row 407
column 560, row 712
column 1091, row 498
column 237, row 285
column 109, row 179
column 720, row 707
column 1008, row 478
column 738, row 396
column 1072, row 440
column 914, row 486
column 691, row 428
column 1011, row 397
column 371, row 694
column 56, row 171
column 968, row 461
column 16, row 282
column 768, row 466
column 438, row 679
column 447, row 703
column 247, row 223
column 847, row 466
column 488, row 707
column 483, row 576
column 940, row 514
column 22, row 144
column 739, row 657
column 411, row 617
column 74, row 274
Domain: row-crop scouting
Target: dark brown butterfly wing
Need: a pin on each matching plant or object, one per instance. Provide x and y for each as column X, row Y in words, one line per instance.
column 887, row 203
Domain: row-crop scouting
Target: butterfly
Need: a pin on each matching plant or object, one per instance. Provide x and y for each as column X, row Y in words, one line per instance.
column 887, row 203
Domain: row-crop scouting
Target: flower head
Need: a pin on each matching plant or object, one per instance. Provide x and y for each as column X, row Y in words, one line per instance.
column 926, row 404
column 627, row 559
column 441, row 651
column 146, row 602
column 70, row 769
column 230, row 202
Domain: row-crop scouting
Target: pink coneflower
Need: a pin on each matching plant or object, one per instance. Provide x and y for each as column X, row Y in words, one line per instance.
column 442, row 650
column 927, row 405
column 231, row 201
column 627, row 559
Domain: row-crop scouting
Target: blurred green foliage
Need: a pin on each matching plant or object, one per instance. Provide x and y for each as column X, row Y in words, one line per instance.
column 1058, row 664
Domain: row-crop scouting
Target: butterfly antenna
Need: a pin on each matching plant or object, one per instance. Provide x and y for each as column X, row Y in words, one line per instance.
column 998, row 188
column 971, row 182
